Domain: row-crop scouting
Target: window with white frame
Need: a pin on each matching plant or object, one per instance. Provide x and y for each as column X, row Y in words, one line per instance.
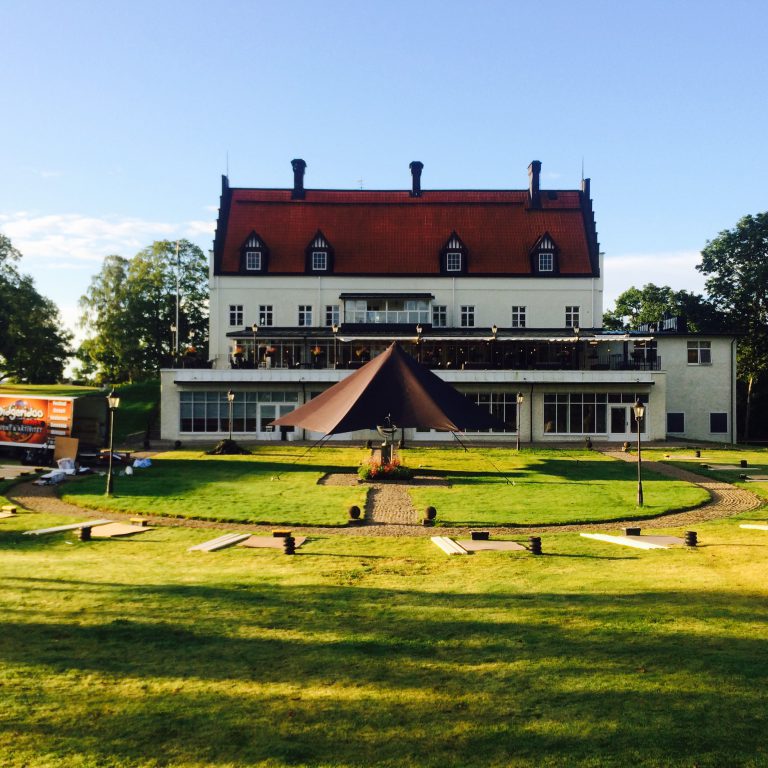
column 546, row 261
column 265, row 314
column 453, row 261
column 253, row 260
column 572, row 317
column 331, row 314
column 699, row 353
column 518, row 317
column 235, row 314
column 467, row 316
column 305, row 315
column 319, row 261
column 439, row 315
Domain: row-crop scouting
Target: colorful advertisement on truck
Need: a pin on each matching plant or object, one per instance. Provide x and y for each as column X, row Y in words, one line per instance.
column 34, row 422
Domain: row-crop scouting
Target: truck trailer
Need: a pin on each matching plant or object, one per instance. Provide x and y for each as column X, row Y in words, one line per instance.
column 30, row 424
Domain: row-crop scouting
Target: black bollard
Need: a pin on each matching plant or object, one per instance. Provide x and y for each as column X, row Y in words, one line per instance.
column 85, row 533
column 289, row 545
column 743, row 462
column 534, row 545
column 691, row 539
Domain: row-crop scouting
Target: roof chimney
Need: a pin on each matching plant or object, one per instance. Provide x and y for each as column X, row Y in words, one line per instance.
column 585, row 188
column 416, row 169
column 534, row 170
column 299, row 166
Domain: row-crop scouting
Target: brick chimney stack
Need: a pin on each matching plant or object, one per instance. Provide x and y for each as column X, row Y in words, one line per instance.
column 534, row 195
column 299, row 166
column 416, row 169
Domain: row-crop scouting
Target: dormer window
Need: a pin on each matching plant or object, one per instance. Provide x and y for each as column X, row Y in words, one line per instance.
column 453, row 261
column 319, row 255
column 319, row 261
column 253, row 254
column 453, row 257
column 253, row 261
column 544, row 256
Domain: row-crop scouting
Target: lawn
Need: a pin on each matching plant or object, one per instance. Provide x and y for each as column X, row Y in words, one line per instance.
column 381, row 652
column 489, row 486
column 713, row 457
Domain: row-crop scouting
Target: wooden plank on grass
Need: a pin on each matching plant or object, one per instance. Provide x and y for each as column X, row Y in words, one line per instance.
column 71, row 527
column 449, row 546
column 227, row 540
column 627, row 541
column 491, row 545
column 755, row 526
column 270, row 542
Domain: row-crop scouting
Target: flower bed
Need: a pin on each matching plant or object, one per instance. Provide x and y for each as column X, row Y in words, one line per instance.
column 374, row 471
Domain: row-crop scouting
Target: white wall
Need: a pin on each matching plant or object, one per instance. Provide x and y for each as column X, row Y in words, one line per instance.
column 545, row 299
column 698, row 390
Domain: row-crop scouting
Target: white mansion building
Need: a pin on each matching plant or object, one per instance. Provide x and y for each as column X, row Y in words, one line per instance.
column 499, row 292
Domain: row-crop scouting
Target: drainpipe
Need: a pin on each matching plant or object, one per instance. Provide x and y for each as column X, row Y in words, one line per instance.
column 734, row 425
column 530, row 414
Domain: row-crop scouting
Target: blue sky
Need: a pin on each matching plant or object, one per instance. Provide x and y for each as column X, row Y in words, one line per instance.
column 119, row 118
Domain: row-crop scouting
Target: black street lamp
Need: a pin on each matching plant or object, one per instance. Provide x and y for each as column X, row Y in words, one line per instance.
column 175, row 342
column 335, row 329
column 520, row 399
column 113, row 402
column 255, row 329
column 418, row 339
column 494, row 331
column 639, row 410
column 231, row 401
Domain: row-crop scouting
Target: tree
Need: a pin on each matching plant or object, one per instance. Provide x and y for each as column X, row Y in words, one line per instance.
column 131, row 308
column 33, row 345
column 637, row 306
column 736, row 265
column 111, row 347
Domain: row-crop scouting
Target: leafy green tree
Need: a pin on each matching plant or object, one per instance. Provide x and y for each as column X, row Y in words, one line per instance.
column 736, row 266
column 649, row 304
column 131, row 309
column 34, row 348
column 112, row 348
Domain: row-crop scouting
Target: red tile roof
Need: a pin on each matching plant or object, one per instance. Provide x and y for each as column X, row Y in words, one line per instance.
column 390, row 232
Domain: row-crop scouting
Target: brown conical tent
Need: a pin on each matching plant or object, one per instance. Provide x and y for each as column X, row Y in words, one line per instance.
column 391, row 389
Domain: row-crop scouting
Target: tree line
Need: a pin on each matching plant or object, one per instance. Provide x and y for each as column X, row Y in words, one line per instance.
column 129, row 313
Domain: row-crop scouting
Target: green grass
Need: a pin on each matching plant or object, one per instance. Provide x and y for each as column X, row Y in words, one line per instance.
column 274, row 486
column 756, row 458
column 381, row 652
column 43, row 390
column 545, row 487
column 278, row 485
column 139, row 406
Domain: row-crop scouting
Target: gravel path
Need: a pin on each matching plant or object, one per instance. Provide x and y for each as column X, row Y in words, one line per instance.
column 389, row 511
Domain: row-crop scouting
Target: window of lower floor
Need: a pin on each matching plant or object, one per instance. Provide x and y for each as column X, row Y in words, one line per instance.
column 590, row 413
column 676, row 422
column 467, row 316
column 718, row 423
column 503, row 405
column 251, row 411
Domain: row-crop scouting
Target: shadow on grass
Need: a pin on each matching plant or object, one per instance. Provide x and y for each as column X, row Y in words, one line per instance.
column 352, row 676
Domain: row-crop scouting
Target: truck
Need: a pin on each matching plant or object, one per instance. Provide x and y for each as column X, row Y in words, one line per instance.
column 30, row 424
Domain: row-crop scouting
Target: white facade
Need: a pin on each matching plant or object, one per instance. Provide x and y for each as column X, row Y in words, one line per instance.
column 544, row 300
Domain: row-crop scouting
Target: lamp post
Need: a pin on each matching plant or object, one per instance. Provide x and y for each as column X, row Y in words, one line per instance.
column 335, row 329
column 255, row 329
column 231, row 401
column 418, row 339
column 113, row 402
column 520, row 399
column 494, row 331
column 174, row 340
column 639, row 410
